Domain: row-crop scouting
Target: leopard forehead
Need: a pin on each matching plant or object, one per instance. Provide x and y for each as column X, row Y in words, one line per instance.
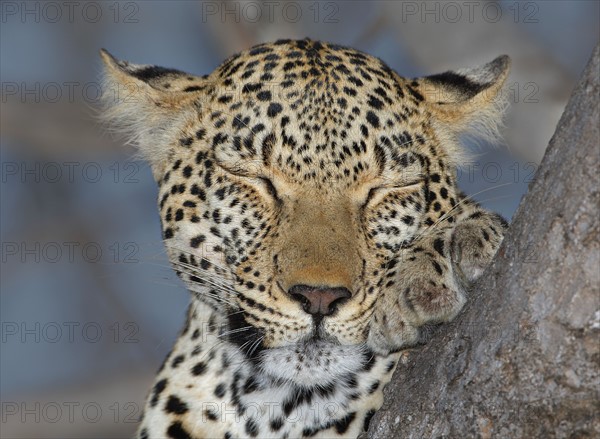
column 312, row 113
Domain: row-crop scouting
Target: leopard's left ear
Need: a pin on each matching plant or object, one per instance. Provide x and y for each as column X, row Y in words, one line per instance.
column 149, row 105
column 469, row 99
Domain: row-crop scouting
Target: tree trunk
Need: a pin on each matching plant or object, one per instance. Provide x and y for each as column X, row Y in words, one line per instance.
column 521, row 361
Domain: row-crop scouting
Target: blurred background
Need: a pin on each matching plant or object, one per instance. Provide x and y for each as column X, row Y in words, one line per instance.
column 89, row 306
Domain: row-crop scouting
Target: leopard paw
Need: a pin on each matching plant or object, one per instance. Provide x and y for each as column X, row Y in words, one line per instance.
column 424, row 292
column 432, row 302
column 473, row 247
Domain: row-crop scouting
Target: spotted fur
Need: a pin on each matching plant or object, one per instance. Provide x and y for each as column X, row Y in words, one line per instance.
column 310, row 165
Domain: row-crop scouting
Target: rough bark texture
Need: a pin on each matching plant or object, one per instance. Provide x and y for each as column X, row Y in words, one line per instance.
column 522, row 360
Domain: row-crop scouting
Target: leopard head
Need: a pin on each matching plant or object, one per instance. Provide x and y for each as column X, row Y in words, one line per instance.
column 291, row 178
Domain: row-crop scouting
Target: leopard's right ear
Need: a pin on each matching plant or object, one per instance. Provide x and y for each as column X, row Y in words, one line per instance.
column 469, row 100
column 149, row 106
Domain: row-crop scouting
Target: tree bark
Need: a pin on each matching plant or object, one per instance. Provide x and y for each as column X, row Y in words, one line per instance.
column 522, row 359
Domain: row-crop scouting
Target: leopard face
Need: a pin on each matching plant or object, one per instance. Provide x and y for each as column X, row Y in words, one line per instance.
column 308, row 197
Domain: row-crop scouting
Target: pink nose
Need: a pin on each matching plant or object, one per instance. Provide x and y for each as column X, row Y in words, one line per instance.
column 319, row 300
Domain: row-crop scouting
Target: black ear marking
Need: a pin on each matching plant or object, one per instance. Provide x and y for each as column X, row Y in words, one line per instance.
column 150, row 74
column 465, row 84
column 459, row 83
column 153, row 72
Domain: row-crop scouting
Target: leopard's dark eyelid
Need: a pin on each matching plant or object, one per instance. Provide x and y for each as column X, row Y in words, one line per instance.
column 373, row 190
column 412, row 183
column 398, row 186
column 240, row 173
column 235, row 170
column 270, row 187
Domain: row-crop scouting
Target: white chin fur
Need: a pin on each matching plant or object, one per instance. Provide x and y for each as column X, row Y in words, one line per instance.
column 312, row 363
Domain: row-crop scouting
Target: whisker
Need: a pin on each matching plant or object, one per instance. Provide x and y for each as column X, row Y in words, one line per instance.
column 447, row 214
column 235, row 331
column 218, row 344
column 204, row 293
column 195, row 255
column 199, row 271
column 212, row 282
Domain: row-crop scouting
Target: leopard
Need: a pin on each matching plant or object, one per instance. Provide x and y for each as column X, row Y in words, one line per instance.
column 309, row 203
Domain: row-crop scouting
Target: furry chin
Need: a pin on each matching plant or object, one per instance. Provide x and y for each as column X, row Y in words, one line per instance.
column 312, row 363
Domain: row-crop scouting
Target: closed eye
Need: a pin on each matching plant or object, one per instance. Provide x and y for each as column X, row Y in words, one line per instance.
column 270, row 188
column 371, row 194
column 378, row 190
column 243, row 173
